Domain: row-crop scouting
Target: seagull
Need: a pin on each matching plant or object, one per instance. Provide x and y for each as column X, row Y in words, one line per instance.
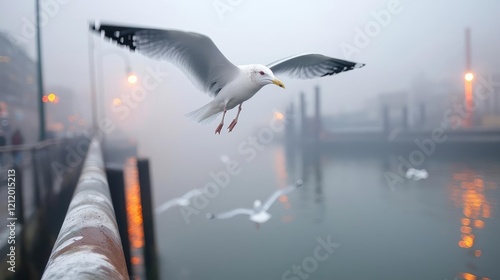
column 210, row 71
column 259, row 212
column 416, row 174
column 184, row 200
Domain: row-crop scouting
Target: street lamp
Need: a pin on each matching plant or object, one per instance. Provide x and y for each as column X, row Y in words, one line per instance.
column 131, row 77
column 469, row 77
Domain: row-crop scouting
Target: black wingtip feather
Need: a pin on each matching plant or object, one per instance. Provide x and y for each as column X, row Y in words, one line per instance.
column 120, row 34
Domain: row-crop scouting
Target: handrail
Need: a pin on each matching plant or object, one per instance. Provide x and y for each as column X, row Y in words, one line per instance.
column 26, row 147
column 89, row 245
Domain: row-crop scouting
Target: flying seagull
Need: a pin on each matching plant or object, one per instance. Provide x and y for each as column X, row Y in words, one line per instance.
column 184, row 200
column 230, row 85
column 416, row 174
column 259, row 212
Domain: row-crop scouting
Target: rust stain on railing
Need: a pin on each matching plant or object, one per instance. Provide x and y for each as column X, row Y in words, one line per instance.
column 89, row 245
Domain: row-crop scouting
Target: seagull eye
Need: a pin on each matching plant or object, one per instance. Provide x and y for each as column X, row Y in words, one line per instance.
column 262, row 73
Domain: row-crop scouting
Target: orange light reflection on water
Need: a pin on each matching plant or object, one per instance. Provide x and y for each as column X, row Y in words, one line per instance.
column 134, row 215
column 468, row 192
column 280, row 167
column 134, row 208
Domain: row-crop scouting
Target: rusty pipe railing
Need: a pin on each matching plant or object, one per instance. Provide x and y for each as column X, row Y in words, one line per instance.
column 89, row 245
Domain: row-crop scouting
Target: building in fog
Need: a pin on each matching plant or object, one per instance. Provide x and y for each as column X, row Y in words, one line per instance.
column 18, row 90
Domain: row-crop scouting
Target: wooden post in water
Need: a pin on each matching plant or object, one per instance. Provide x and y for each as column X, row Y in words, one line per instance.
column 116, row 182
column 385, row 118
column 303, row 118
column 404, row 117
column 422, row 114
column 317, row 114
column 290, row 126
column 150, row 256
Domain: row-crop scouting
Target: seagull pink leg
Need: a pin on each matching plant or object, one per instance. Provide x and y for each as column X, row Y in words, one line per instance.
column 235, row 121
column 219, row 128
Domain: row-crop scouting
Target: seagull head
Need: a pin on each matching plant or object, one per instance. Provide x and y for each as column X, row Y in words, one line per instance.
column 264, row 76
column 257, row 204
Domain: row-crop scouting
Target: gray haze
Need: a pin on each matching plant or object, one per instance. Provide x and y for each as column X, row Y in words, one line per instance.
column 426, row 37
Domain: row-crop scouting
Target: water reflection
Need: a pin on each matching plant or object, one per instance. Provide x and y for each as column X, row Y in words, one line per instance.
column 134, row 216
column 468, row 191
column 312, row 175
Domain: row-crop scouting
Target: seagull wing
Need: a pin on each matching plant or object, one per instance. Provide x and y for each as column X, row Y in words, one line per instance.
column 192, row 194
column 279, row 193
column 232, row 213
column 167, row 205
column 310, row 66
column 195, row 54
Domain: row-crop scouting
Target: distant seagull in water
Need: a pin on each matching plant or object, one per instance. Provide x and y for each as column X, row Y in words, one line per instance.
column 259, row 212
column 184, row 200
column 229, row 85
column 416, row 174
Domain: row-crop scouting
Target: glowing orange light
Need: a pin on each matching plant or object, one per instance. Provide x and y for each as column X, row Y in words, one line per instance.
column 467, row 212
column 132, row 78
column 134, row 207
column 45, row 99
column 117, row 101
column 468, row 276
column 283, row 198
column 465, row 221
column 477, row 253
column 135, row 260
column 51, row 97
column 478, row 224
column 279, row 115
column 466, row 229
column 469, row 241
column 469, row 77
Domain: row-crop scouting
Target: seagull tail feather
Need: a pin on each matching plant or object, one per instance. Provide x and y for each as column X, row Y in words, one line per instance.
column 205, row 114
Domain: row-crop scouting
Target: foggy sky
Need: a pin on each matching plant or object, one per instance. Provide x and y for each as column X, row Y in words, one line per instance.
column 425, row 37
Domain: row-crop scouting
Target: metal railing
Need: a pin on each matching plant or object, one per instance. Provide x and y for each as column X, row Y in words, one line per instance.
column 45, row 173
column 89, row 244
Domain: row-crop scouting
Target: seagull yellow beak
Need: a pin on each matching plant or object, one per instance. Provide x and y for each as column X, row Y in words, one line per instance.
column 278, row 83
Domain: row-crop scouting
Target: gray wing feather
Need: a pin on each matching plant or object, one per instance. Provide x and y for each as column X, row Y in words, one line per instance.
column 279, row 193
column 195, row 54
column 192, row 193
column 167, row 205
column 309, row 66
column 232, row 213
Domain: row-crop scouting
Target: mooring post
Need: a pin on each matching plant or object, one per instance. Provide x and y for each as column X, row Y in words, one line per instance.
column 422, row 114
column 303, row 118
column 150, row 256
column 116, row 183
column 404, row 117
column 385, row 118
column 317, row 114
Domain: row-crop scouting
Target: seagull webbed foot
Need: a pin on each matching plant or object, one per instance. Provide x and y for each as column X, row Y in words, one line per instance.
column 219, row 128
column 232, row 125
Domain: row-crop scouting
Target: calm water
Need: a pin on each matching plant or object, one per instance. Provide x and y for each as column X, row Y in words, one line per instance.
column 444, row 227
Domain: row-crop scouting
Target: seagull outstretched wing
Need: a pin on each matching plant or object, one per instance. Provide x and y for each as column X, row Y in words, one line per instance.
column 309, row 66
column 230, row 214
column 167, row 205
column 195, row 54
column 279, row 193
column 178, row 201
column 192, row 193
